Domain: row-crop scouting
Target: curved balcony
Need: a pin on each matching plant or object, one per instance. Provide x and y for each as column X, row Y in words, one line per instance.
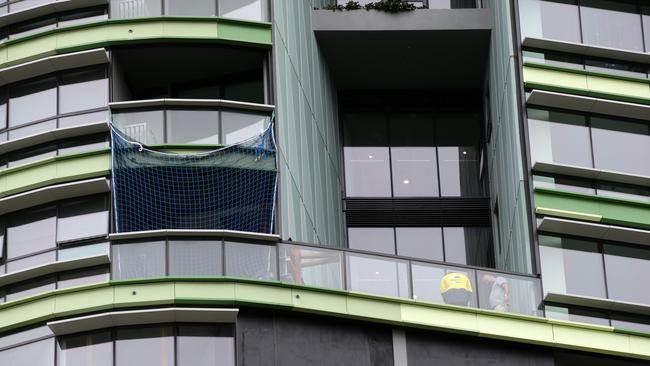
column 132, row 31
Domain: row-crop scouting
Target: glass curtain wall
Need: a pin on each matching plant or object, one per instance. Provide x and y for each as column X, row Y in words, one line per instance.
column 240, row 9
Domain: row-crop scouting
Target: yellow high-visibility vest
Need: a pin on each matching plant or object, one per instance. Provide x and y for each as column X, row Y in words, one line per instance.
column 455, row 280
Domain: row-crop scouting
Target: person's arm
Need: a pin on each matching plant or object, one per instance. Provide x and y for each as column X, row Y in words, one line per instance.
column 506, row 292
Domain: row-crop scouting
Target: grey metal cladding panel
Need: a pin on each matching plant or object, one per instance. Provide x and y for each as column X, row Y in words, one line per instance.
column 425, row 349
column 277, row 339
column 418, row 20
column 587, row 50
column 588, row 104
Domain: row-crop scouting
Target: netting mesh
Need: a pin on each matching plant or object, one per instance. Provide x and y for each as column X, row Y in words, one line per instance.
column 232, row 188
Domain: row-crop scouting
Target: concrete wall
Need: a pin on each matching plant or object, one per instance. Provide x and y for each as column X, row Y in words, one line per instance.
column 507, row 174
column 308, row 137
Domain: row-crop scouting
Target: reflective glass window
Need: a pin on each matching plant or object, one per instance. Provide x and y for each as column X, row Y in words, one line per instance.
column 82, row 218
column 94, row 349
column 455, row 245
column 138, row 260
column 627, row 269
column 636, row 193
column 144, row 346
column 458, row 154
column 411, row 129
column 238, row 126
column 550, row 19
column 190, row 7
column 24, row 96
column 559, row 137
column 32, row 287
column 571, row 266
column 645, row 11
column 135, row 8
column 251, row 261
column 367, row 172
column 32, row 129
column 25, row 336
column 564, row 183
column 3, row 109
column 146, row 127
column 415, row 172
column 81, row 90
column 576, row 315
column 201, row 345
column 635, row 323
column 24, row 4
column 505, row 293
column 311, row 266
column 365, row 129
column 31, row 155
column 36, row 353
column 420, row 242
column 195, row 258
column 380, row 240
column 31, row 231
column 243, row 9
column 83, row 144
column 553, row 58
column 192, row 127
column 82, row 119
column 377, row 275
column 31, row 261
column 609, row 23
column 621, row 145
column 84, row 277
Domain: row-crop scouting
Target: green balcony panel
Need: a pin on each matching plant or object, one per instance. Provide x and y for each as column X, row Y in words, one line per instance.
column 128, row 31
column 586, row 83
column 612, row 211
column 139, row 294
column 54, row 170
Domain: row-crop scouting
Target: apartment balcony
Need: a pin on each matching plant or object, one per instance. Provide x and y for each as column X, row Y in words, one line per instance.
column 407, row 50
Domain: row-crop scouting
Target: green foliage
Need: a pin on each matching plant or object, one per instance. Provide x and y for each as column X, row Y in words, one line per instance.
column 389, row 6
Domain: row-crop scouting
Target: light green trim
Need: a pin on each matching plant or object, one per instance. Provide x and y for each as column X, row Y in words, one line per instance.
column 343, row 304
column 613, row 211
column 53, row 171
column 131, row 31
column 587, row 84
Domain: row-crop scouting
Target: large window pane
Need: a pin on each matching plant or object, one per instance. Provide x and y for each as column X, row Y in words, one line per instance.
column 550, row 19
column 609, row 23
column 32, row 129
column 24, row 4
column 146, row 127
column 37, row 353
column 367, row 172
column 380, row 240
column 144, row 346
column 645, row 10
column 82, row 218
column 138, row 260
column 563, row 183
column 190, row 7
column 195, row 258
column 83, row 251
column 83, row 144
column 420, row 242
column 243, row 9
column 238, row 127
column 95, row 349
column 25, row 96
column 31, row 261
column 205, row 345
column 82, row 90
column 135, row 8
column 31, row 231
column 25, row 336
column 428, row 284
column 414, row 171
column 412, row 129
column 365, row 129
column 455, row 245
column 3, row 109
column 311, row 266
column 84, row 277
column 82, row 119
column 558, row 137
column 193, row 127
column 501, row 292
column 31, row 155
column 571, row 266
column 377, row 275
column 251, row 261
column 627, row 269
column 30, row 288
column 621, row 146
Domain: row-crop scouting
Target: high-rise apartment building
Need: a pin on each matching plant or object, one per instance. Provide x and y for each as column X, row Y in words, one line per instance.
column 295, row 182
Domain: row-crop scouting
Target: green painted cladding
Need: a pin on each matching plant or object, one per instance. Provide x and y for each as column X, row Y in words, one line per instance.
column 587, row 84
column 343, row 304
column 507, row 172
column 128, row 31
column 308, row 138
column 53, row 171
column 612, row 211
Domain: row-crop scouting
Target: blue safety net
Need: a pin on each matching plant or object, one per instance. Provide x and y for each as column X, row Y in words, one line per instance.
column 232, row 188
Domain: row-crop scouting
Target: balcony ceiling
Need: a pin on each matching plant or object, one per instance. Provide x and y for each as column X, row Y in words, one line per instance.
column 423, row 49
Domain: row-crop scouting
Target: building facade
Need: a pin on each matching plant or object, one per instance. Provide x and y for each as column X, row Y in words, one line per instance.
column 292, row 182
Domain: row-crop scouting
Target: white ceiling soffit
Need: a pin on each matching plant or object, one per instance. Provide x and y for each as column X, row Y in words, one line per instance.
column 593, row 230
column 138, row 317
column 591, row 173
column 51, row 64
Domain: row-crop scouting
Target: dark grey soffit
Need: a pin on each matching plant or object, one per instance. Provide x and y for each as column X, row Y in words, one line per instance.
column 423, row 49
